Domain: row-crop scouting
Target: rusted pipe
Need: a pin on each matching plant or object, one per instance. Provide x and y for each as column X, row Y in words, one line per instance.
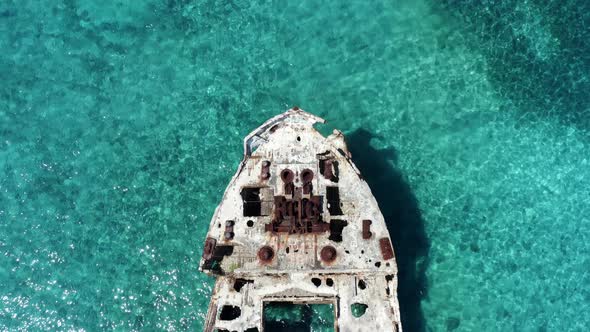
column 266, row 254
column 328, row 254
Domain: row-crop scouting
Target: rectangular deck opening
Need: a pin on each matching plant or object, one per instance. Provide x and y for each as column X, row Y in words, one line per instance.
column 298, row 317
column 251, row 202
column 333, row 198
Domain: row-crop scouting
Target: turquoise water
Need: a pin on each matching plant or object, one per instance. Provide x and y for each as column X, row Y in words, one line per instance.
column 121, row 123
column 289, row 317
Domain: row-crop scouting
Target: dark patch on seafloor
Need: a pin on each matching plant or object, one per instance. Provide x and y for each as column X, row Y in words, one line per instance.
column 554, row 84
column 404, row 221
column 452, row 323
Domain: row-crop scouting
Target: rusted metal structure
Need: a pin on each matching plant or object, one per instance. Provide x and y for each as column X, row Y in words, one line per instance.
column 298, row 209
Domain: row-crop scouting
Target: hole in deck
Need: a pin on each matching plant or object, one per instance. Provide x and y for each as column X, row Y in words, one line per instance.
column 316, row 281
column 288, row 316
column 329, row 282
column 251, row 202
column 240, row 283
column 298, row 138
column 358, row 309
column 329, row 169
column 362, row 284
column 333, row 198
column 230, row 312
column 336, row 227
column 250, row 223
column 215, row 256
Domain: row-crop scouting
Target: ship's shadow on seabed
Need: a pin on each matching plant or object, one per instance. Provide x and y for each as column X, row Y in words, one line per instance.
column 404, row 221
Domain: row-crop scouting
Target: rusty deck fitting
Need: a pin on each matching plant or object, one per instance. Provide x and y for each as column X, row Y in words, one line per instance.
column 266, row 254
column 328, row 254
column 265, row 170
column 386, row 249
column 367, row 229
column 297, row 223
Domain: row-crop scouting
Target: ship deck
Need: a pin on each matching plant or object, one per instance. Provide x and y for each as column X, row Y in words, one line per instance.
column 298, row 224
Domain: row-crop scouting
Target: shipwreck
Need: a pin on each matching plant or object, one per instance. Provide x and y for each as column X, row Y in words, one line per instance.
column 298, row 224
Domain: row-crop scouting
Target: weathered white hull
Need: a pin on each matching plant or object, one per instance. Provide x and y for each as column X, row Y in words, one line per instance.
column 298, row 224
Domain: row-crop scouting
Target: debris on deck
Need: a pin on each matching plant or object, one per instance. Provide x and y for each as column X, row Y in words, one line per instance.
column 298, row 224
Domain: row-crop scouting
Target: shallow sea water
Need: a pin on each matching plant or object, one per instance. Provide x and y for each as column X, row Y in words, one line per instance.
column 121, row 123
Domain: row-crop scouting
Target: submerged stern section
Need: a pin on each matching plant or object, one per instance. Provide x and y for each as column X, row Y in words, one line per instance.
column 298, row 224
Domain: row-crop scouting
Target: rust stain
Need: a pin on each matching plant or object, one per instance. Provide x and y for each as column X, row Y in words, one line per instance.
column 328, row 254
column 386, row 249
column 266, row 254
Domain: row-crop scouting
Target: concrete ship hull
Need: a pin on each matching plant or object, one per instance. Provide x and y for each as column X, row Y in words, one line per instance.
column 298, row 224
